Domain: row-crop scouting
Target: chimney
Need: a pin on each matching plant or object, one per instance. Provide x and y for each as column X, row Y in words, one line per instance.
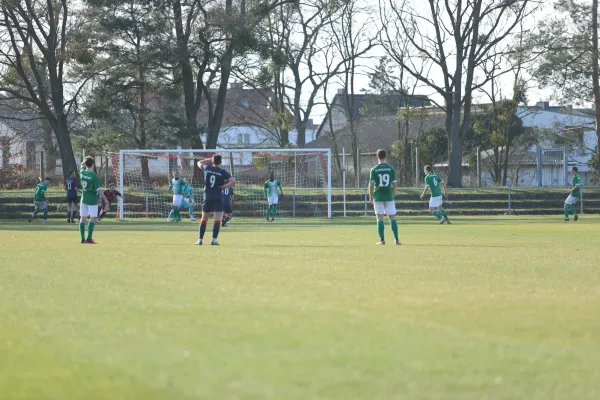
column 544, row 105
column 341, row 91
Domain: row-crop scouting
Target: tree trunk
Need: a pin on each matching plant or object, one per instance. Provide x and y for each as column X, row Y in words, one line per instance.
column 506, row 153
column 298, row 121
column 61, row 130
column 215, row 123
column 595, row 79
column 187, row 77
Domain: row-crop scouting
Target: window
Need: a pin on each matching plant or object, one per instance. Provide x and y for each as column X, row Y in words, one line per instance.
column 240, row 139
column 247, row 138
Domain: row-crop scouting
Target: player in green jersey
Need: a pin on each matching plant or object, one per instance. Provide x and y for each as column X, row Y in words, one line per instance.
column 39, row 200
column 270, row 192
column 435, row 185
column 177, row 187
column 574, row 195
column 88, row 207
column 382, row 190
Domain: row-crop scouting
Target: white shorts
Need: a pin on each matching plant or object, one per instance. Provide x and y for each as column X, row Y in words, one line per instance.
column 385, row 207
column 86, row 210
column 177, row 199
column 571, row 200
column 273, row 200
column 436, row 201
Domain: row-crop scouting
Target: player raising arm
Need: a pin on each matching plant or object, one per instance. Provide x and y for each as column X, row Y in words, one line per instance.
column 39, row 200
column 91, row 190
column 433, row 183
column 176, row 188
column 71, row 186
column 574, row 194
column 216, row 180
column 110, row 195
column 270, row 192
column 382, row 190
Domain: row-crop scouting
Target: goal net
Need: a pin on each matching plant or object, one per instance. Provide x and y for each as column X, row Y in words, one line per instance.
column 143, row 177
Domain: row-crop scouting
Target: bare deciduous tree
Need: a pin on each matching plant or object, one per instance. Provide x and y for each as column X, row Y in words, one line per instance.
column 449, row 40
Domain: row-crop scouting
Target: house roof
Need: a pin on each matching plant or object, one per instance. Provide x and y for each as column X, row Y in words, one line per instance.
column 22, row 122
column 242, row 107
column 376, row 133
column 377, row 104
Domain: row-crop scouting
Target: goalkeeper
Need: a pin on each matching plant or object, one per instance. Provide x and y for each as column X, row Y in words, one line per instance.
column 270, row 191
column 188, row 200
column 176, row 187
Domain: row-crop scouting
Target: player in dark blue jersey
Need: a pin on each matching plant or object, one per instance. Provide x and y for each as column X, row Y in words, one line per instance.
column 71, row 186
column 216, row 180
column 227, row 204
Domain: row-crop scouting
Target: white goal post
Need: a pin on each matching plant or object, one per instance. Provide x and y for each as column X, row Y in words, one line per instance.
column 305, row 174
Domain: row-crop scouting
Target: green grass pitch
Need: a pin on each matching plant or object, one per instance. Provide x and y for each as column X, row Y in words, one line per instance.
column 488, row 308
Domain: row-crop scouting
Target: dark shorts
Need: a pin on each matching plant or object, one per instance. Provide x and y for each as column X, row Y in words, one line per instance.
column 227, row 208
column 72, row 199
column 212, row 205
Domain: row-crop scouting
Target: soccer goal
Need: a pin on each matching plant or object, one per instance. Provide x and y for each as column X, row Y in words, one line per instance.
column 305, row 175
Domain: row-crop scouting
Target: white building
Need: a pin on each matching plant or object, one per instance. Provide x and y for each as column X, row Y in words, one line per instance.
column 523, row 166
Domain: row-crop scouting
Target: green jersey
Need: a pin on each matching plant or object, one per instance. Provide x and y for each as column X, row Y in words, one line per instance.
column 434, row 181
column 270, row 187
column 382, row 177
column 40, row 192
column 576, row 182
column 177, row 186
column 90, row 185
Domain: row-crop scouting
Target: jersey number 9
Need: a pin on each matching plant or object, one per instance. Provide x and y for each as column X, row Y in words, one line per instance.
column 213, row 179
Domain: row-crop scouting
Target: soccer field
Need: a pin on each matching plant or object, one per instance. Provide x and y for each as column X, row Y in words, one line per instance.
column 487, row 308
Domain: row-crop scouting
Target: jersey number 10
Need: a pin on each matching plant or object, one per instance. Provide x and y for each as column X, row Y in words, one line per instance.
column 384, row 180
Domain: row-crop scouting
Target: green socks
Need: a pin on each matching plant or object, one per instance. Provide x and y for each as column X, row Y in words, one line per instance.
column 191, row 210
column 573, row 209
column 443, row 211
column 35, row 212
column 437, row 214
column 380, row 228
column 172, row 214
column 177, row 213
column 274, row 212
column 394, row 226
column 45, row 213
column 82, row 230
column 268, row 212
column 566, row 210
column 90, row 229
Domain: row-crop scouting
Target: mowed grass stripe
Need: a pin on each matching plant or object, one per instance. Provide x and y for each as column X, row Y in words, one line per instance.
column 484, row 309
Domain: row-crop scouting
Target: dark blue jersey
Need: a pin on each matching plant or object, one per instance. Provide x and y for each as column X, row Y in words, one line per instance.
column 214, row 178
column 227, row 193
column 70, row 186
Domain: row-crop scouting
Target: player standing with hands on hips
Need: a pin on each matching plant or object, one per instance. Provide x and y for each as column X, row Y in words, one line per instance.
column 433, row 183
column 382, row 190
column 270, row 191
column 216, row 180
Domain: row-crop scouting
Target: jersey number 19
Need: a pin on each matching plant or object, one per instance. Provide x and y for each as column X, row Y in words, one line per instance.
column 384, row 180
